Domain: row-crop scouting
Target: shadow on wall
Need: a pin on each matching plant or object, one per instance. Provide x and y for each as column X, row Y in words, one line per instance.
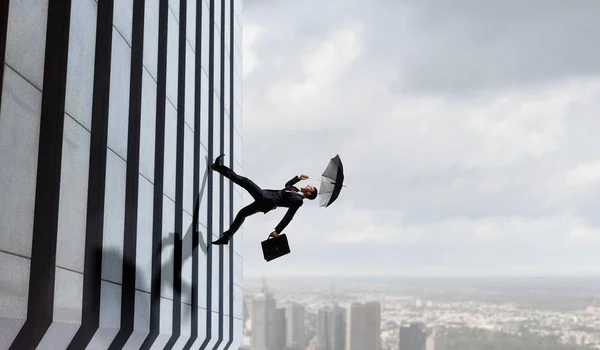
column 192, row 235
column 189, row 235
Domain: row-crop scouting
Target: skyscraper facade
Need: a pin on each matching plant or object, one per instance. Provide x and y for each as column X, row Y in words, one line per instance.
column 296, row 330
column 339, row 334
column 372, row 325
column 436, row 340
column 110, row 114
column 264, row 312
column 325, row 328
column 280, row 328
column 331, row 328
column 364, row 326
column 413, row 337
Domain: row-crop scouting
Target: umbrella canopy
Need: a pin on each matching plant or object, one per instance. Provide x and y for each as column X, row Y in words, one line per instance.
column 331, row 182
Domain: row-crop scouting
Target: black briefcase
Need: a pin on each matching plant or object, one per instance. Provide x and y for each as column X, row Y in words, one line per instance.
column 274, row 248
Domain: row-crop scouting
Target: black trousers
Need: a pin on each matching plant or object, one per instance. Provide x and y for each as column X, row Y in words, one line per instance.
column 252, row 208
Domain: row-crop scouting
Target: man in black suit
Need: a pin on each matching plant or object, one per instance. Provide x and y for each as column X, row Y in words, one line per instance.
column 265, row 200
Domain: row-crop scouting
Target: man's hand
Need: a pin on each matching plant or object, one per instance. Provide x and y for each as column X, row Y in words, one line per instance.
column 303, row 177
column 274, row 234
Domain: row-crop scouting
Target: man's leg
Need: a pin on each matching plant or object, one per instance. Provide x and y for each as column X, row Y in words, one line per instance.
column 248, row 210
column 244, row 182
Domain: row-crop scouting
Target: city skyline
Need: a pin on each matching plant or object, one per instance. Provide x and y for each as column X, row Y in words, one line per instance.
column 437, row 317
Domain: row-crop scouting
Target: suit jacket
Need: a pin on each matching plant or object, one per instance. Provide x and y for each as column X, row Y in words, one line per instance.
column 282, row 198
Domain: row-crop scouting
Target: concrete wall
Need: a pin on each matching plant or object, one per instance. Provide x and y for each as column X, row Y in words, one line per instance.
column 111, row 112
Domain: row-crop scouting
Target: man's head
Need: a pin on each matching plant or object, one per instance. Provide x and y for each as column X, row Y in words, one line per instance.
column 309, row 191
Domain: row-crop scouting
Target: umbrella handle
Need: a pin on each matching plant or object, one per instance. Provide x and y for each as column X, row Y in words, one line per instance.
column 320, row 181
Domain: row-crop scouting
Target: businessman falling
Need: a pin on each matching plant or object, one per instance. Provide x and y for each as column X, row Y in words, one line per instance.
column 265, row 200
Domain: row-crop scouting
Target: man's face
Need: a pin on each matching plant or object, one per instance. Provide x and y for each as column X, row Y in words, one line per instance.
column 308, row 189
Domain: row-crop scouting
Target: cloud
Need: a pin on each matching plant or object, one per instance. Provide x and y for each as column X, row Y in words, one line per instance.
column 458, row 246
column 468, row 46
column 583, row 175
column 251, row 61
column 467, row 131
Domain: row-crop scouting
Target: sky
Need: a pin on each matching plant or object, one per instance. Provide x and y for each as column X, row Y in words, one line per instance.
column 467, row 130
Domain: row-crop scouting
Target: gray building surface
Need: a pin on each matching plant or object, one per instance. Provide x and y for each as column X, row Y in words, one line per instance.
column 264, row 318
column 331, row 328
column 364, row 326
column 413, row 336
column 110, row 113
column 296, row 328
column 280, row 328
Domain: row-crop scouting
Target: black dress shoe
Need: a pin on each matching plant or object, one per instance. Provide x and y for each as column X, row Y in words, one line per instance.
column 222, row 240
column 218, row 164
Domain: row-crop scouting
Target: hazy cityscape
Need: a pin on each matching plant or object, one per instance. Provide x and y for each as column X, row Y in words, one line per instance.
column 420, row 314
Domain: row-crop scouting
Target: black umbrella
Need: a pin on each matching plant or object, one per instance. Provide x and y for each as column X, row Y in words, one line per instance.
column 331, row 182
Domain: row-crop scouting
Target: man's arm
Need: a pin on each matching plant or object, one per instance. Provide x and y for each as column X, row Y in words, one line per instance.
column 292, row 182
column 289, row 215
column 295, row 180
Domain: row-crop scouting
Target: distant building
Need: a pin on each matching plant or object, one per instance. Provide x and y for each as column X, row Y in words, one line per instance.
column 331, row 328
column 263, row 322
column 413, row 337
column 325, row 329
column 295, row 347
column 416, row 336
column 364, row 326
column 280, row 328
column 373, row 325
column 341, row 326
column 296, row 329
column 436, row 340
column 356, row 329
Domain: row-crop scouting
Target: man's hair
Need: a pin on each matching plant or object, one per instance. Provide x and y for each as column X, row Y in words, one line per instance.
column 313, row 194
